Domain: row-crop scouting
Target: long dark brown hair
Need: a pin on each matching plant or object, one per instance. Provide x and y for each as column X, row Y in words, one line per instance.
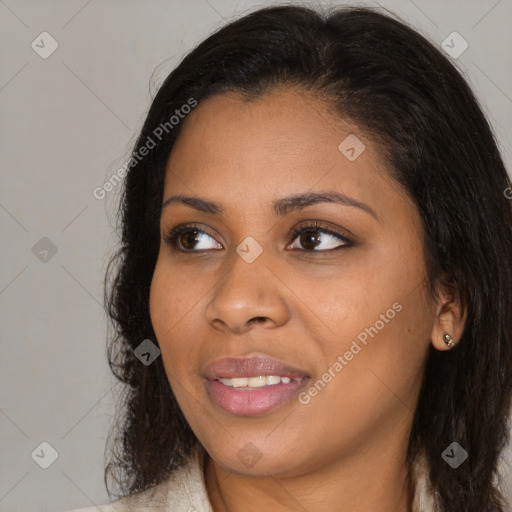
column 397, row 86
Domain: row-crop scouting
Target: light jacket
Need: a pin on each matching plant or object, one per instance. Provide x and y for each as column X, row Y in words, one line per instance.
column 185, row 491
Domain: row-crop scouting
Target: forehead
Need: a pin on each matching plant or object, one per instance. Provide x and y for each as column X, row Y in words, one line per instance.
column 281, row 143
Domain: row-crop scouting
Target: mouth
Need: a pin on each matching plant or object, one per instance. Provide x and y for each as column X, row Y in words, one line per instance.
column 252, row 386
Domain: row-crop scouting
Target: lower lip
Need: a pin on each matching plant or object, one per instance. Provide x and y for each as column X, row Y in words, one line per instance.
column 253, row 401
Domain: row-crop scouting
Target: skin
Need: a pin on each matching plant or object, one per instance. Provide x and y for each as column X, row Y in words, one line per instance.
column 345, row 449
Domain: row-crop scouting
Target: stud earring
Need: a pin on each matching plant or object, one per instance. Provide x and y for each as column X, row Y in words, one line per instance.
column 450, row 342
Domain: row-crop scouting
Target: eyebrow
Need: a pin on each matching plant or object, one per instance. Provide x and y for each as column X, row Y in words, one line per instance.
column 280, row 208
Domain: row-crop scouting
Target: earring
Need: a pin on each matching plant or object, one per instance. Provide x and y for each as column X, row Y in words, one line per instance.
column 450, row 342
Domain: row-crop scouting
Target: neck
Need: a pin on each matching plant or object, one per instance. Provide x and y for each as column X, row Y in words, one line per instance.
column 367, row 481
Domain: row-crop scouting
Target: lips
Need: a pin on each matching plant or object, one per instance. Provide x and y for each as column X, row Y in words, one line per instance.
column 253, row 366
column 253, row 401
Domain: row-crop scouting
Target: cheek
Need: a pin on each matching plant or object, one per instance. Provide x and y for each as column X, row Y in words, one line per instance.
column 379, row 315
column 162, row 302
column 169, row 303
column 395, row 337
column 173, row 294
column 172, row 302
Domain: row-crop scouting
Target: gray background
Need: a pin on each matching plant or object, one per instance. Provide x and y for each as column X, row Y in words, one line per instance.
column 67, row 124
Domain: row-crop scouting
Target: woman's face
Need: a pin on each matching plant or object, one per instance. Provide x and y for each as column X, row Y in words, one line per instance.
column 348, row 310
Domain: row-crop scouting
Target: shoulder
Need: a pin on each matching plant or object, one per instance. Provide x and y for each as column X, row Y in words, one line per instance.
column 184, row 489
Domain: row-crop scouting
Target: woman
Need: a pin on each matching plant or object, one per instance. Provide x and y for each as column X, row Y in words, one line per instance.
column 314, row 292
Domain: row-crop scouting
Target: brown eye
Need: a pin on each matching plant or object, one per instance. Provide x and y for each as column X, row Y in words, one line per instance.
column 187, row 238
column 310, row 237
column 190, row 238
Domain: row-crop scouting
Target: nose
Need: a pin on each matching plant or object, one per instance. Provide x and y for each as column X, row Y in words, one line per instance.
column 247, row 294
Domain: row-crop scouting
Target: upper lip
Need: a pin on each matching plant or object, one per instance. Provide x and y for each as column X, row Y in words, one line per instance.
column 253, row 366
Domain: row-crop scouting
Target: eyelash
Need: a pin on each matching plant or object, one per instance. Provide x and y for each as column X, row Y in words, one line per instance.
column 172, row 237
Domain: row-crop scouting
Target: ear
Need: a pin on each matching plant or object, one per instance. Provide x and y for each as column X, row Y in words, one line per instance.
column 450, row 318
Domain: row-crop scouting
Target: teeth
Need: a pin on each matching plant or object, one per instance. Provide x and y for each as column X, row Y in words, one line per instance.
column 272, row 379
column 255, row 382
